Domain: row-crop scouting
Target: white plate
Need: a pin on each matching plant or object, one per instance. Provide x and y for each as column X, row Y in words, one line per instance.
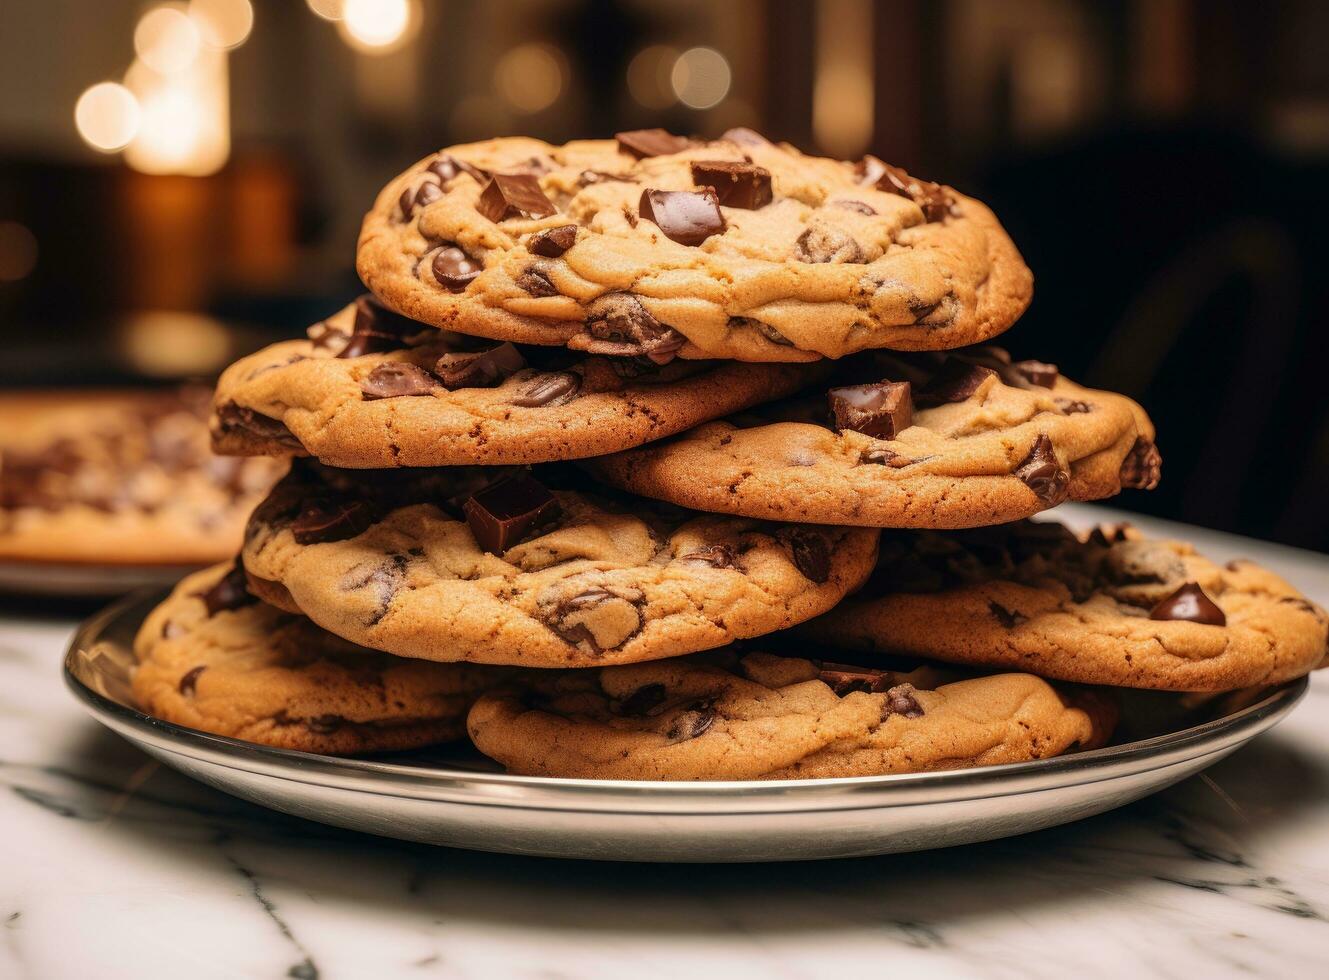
column 456, row 799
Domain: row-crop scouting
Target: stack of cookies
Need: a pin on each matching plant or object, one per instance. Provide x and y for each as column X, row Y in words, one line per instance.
column 598, row 472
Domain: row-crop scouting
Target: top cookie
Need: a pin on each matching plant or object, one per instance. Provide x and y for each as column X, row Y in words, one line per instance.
column 657, row 245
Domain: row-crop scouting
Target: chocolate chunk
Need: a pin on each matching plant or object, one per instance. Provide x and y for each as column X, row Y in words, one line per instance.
column 1073, row 406
column 694, row 722
column 1006, row 617
column 1042, row 473
column 811, row 554
column 1037, row 373
column 426, row 194
column 640, row 702
column 514, row 196
column 454, row 269
column 856, row 206
column 765, row 329
column 446, row 167
column 507, row 510
column 324, row 724
column 882, row 456
column 397, row 379
column 713, row 555
column 882, row 409
column 1142, row 466
column 820, row 244
column 628, row 330
column 931, row 198
column 536, row 282
column 189, row 682
column 846, row 678
column 737, row 185
column 686, row 217
column 955, row 382
column 377, row 329
column 744, row 137
column 554, row 388
column 383, row 578
column 595, row 617
column 331, row 520
column 552, row 242
column 651, row 142
column 1189, row 603
column 588, row 177
column 232, row 419
column 484, row 369
column 901, row 701
column 229, row 592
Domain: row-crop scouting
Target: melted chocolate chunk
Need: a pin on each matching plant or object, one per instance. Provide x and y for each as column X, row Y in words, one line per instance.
column 588, row 177
column 713, row 555
column 1142, row 466
column 189, row 682
column 484, row 369
column 552, row 242
column 454, row 269
column 955, row 382
column 884, row 457
column 882, row 409
column 651, row 142
column 856, row 206
column 819, row 244
column 324, row 724
column 571, row 618
column 1073, row 406
column 397, row 379
column 555, row 388
column 694, row 722
column 507, row 510
column 737, row 185
column 901, row 701
column 846, row 678
column 811, row 554
column 640, row 702
column 377, row 329
column 1008, row 618
column 627, row 329
column 426, row 194
column 1037, row 373
column 1189, row 603
column 384, row 578
column 744, row 137
column 765, row 329
column 331, row 520
column 1042, row 473
column 446, row 167
column 229, row 592
column 686, row 217
column 232, row 418
column 931, row 198
column 514, row 196
column 537, row 283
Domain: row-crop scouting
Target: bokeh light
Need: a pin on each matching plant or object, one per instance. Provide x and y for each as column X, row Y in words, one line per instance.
column 18, row 251
column 648, row 76
column 379, row 26
column 222, row 23
column 327, row 9
column 167, row 40
column 701, row 78
column 107, row 116
column 530, row 77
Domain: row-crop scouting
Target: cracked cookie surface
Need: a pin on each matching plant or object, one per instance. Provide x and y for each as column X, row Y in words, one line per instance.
column 733, row 248
column 982, row 444
column 769, row 717
column 446, row 400
column 120, row 477
column 213, row 658
column 1112, row 608
column 573, row 579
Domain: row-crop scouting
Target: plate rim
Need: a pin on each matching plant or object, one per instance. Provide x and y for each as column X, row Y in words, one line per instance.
column 456, row 785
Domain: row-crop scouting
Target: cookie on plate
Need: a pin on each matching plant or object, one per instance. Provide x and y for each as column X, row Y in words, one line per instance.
column 660, row 246
column 467, row 564
column 927, row 440
column 373, row 389
column 214, row 658
column 768, row 717
column 120, row 478
column 1111, row 608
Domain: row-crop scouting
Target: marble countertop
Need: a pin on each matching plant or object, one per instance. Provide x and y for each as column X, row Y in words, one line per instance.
column 113, row 866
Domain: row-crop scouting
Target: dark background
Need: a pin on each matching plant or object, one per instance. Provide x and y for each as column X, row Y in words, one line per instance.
column 1161, row 163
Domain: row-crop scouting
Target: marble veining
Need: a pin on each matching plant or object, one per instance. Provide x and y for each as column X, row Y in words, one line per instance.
column 114, row 866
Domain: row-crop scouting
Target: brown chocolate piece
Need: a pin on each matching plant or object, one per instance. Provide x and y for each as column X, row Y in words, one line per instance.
column 714, row 555
column 1007, row 617
column 881, row 456
column 846, row 678
column 1189, row 603
column 377, row 329
column 1142, row 466
column 856, row 206
column 1042, row 473
column 454, row 269
column 744, row 137
column 882, row 409
column 536, row 282
column 1073, row 406
column 737, row 185
column 640, row 702
column 514, row 196
column 235, row 418
column 588, row 177
column 686, row 217
column 592, row 602
column 651, row 142
column 694, row 722
column 1037, row 373
column 930, row 197
column 811, row 554
column 819, row 244
column 552, row 242
column 507, row 510
column 553, row 388
column 955, row 382
column 384, row 578
column 484, row 369
column 427, row 193
column 229, row 592
column 901, row 701
column 189, row 682
column 446, row 167
column 397, row 379
column 627, row 329
column 331, row 520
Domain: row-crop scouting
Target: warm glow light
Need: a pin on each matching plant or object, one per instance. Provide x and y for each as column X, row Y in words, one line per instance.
column 107, row 116
column 530, row 76
column 327, row 9
column 18, row 251
column 167, row 343
column 185, row 125
column 222, row 23
column 842, row 96
column 700, row 78
column 379, row 26
column 648, row 76
column 167, row 40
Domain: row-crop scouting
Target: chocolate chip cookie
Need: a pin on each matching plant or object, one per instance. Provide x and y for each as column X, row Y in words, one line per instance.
column 768, row 717
column 1111, row 608
column 466, row 564
column 119, row 478
column 916, row 440
column 373, row 389
column 214, row 658
column 658, row 246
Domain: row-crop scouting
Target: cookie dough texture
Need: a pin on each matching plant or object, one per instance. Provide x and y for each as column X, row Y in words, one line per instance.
column 1036, row 598
column 603, row 583
column 261, row 675
column 767, row 717
column 317, row 400
column 958, row 465
column 120, row 477
column 829, row 267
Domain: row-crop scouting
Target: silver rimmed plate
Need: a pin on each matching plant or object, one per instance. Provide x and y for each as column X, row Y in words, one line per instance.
column 458, row 800
column 75, row 580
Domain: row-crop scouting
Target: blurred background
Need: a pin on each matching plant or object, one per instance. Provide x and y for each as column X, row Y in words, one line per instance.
column 182, row 182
